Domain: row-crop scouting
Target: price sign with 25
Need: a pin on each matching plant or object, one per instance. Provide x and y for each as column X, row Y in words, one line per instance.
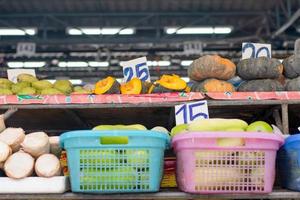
column 186, row 113
column 255, row 50
column 136, row 68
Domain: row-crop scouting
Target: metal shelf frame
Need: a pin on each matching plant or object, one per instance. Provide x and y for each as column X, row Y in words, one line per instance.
column 162, row 195
column 279, row 109
column 282, row 105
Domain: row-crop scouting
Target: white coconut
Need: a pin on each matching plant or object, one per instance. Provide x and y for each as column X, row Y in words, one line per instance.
column 5, row 151
column 19, row 165
column 47, row 165
column 13, row 137
column 36, row 144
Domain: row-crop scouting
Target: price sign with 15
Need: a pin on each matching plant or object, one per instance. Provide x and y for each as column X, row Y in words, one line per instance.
column 136, row 68
column 186, row 113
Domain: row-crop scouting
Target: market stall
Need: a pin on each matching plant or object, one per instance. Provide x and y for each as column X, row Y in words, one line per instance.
column 155, row 99
column 101, row 106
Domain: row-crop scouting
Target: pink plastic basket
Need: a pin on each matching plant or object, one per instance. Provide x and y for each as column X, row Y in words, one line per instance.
column 203, row 166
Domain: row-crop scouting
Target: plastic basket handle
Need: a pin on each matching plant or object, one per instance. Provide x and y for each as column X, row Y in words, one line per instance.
column 107, row 140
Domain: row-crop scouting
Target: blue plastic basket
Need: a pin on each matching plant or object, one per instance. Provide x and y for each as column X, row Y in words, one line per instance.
column 115, row 161
column 288, row 162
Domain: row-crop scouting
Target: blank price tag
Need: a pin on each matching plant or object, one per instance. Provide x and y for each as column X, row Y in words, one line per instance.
column 186, row 113
column 12, row 74
column 136, row 68
column 255, row 50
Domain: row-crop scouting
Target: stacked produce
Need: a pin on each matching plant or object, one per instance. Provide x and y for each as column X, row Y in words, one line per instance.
column 223, row 125
column 21, row 155
column 5, row 86
column 292, row 72
column 260, row 74
column 117, row 167
column 108, row 85
column 135, row 86
column 166, row 83
column 136, row 127
column 30, row 85
column 211, row 73
column 169, row 83
column 219, row 124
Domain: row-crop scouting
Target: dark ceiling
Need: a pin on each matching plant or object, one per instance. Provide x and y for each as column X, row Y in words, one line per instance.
column 252, row 20
column 61, row 6
column 255, row 19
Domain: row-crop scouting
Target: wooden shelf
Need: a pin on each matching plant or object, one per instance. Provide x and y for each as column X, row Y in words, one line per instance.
column 163, row 195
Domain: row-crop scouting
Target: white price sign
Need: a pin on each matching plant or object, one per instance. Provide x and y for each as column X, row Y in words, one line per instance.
column 136, row 68
column 192, row 48
column 255, row 50
column 26, row 49
column 12, row 74
column 186, row 113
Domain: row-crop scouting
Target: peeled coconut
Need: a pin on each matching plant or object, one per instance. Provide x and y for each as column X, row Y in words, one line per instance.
column 47, row 165
column 5, row 151
column 19, row 165
column 2, row 124
column 36, row 144
column 13, row 137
